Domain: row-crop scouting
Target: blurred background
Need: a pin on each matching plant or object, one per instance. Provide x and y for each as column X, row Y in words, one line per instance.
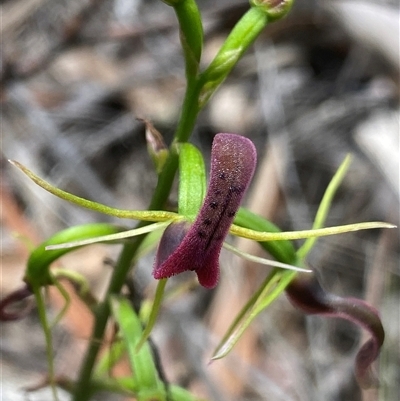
column 324, row 82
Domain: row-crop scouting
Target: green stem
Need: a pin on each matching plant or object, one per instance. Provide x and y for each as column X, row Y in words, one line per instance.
column 241, row 37
column 191, row 34
column 84, row 390
column 190, row 111
column 48, row 338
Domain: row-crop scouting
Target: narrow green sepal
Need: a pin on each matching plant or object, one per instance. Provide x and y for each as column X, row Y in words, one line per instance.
column 38, row 273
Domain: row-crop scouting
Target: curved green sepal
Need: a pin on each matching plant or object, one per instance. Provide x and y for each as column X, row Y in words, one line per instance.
column 115, row 237
column 303, row 234
column 37, row 272
column 144, row 215
column 264, row 261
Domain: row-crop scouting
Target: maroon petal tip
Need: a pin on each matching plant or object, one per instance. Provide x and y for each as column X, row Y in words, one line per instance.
column 308, row 295
column 16, row 296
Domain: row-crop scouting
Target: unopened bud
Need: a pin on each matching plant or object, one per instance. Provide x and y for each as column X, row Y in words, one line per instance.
column 275, row 9
column 156, row 146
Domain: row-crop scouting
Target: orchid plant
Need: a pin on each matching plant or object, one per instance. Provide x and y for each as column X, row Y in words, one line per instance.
column 191, row 238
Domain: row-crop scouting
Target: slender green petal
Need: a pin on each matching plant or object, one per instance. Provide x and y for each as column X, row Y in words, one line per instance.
column 263, row 261
column 321, row 232
column 145, row 215
column 112, row 237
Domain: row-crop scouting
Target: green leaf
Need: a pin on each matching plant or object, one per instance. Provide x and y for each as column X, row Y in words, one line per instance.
column 192, row 180
column 271, row 288
column 37, row 271
column 150, row 386
column 109, row 358
column 152, row 316
column 325, row 205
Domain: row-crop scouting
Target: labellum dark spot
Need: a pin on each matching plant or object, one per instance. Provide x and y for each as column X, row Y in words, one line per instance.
column 214, row 205
column 13, row 299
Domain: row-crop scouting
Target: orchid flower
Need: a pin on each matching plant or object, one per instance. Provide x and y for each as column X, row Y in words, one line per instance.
column 194, row 236
column 192, row 240
column 197, row 246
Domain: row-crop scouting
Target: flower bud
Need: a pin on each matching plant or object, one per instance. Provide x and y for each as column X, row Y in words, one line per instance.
column 275, row 9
